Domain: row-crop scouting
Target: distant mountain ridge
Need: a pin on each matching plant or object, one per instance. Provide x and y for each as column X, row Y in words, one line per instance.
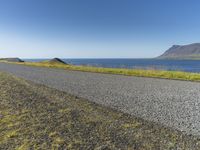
column 191, row 51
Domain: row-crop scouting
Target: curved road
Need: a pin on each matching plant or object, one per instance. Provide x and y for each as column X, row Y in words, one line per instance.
column 172, row 103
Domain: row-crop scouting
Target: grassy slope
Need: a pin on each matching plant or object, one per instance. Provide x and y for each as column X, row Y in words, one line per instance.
column 36, row 117
column 178, row 75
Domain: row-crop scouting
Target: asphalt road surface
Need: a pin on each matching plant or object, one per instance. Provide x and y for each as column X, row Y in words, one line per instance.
column 169, row 102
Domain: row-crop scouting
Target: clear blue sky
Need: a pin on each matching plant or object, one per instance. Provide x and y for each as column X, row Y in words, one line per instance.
column 96, row 28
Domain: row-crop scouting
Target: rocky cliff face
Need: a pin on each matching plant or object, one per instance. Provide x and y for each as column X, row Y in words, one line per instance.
column 191, row 51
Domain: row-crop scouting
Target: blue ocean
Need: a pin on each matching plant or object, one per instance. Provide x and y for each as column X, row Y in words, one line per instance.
column 157, row 64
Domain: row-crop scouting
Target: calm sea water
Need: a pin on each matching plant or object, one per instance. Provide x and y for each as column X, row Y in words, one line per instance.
column 180, row 65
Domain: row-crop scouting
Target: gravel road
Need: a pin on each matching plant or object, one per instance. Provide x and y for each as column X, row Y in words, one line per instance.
column 172, row 103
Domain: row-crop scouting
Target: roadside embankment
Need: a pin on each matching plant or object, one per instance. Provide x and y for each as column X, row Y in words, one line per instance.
column 169, row 102
column 33, row 116
column 175, row 75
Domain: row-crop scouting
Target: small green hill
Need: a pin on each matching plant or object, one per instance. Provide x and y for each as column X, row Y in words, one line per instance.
column 56, row 60
column 11, row 59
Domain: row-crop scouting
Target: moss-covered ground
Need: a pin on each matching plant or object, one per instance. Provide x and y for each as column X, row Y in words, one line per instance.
column 36, row 117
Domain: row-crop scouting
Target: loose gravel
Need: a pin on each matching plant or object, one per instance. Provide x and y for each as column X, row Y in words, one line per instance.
column 169, row 102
